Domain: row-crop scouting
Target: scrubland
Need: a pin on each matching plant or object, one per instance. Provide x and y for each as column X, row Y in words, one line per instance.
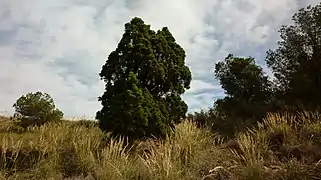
column 283, row 146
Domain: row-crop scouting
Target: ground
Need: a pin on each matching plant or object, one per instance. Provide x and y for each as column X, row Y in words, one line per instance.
column 283, row 147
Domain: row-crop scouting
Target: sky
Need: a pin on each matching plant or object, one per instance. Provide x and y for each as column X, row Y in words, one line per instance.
column 59, row 47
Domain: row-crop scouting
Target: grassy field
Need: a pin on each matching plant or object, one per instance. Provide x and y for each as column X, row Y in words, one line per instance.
column 282, row 147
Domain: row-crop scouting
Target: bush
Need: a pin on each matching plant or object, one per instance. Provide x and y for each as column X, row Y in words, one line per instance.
column 36, row 109
column 227, row 127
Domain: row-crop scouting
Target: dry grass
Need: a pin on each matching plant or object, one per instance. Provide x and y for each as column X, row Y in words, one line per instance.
column 282, row 147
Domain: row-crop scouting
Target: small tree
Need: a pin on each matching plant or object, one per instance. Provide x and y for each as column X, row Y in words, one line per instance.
column 247, row 88
column 144, row 77
column 36, row 109
column 248, row 94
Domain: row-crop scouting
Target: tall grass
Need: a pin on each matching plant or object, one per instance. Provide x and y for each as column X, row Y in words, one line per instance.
column 283, row 146
column 173, row 157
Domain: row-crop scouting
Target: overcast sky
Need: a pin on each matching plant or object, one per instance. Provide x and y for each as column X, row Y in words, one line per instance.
column 59, row 46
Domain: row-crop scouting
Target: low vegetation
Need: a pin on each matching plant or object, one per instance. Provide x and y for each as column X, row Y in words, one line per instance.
column 283, row 146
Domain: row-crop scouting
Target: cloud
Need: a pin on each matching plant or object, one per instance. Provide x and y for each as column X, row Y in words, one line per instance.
column 59, row 46
column 198, row 86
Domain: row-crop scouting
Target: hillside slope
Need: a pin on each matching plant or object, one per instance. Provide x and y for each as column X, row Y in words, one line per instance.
column 283, row 147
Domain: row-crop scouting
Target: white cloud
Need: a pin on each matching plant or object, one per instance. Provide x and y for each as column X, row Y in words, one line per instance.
column 198, row 86
column 59, row 46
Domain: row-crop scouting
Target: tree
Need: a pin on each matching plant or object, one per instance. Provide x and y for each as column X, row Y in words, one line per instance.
column 247, row 88
column 296, row 63
column 36, row 109
column 248, row 95
column 144, row 77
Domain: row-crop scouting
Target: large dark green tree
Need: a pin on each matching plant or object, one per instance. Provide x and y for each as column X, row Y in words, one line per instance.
column 296, row 63
column 144, row 77
column 247, row 88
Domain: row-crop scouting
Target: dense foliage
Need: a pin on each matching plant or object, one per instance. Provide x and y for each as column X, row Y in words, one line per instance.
column 245, row 85
column 250, row 95
column 144, row 77
column 296, row 63
column 36, row 109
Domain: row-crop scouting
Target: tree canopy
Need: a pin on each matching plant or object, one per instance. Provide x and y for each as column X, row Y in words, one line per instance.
column 296, row 66
column 296, row 63
column 36, row 109
column 245, row 84
column 144, row 77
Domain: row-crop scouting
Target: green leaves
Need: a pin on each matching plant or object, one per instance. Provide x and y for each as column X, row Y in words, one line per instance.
column 36, row 109
column 296, row 63
column 247, row 88
column 145, row 77
column 242, row 78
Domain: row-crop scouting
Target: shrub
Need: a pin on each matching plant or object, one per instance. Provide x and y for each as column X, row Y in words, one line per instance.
column 36, row 109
